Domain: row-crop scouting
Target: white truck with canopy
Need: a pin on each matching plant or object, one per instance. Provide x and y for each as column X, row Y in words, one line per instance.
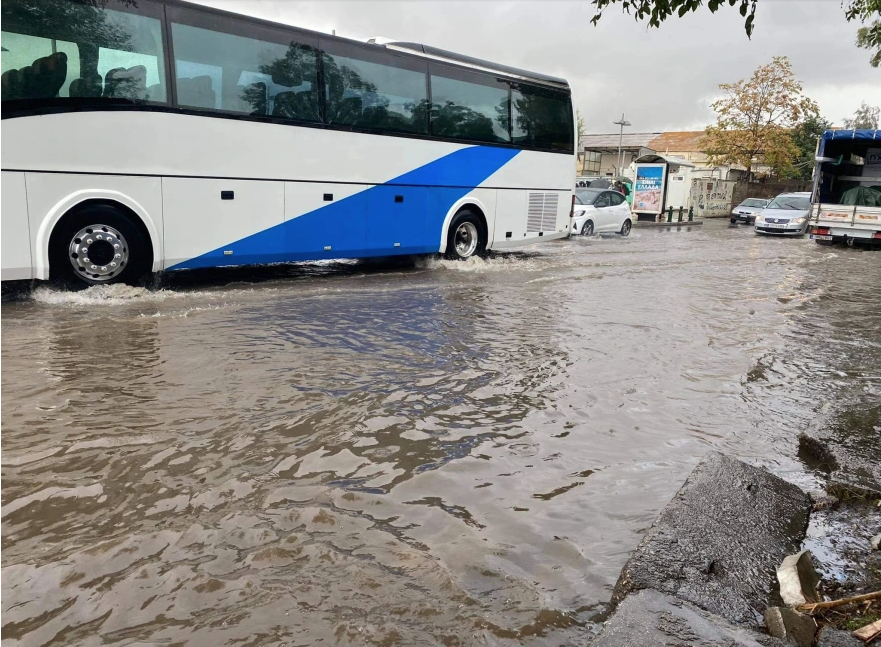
column 846, row 197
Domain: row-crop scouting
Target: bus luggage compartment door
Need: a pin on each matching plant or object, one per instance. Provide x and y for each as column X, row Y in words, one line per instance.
column 16, row 239
column 397, row 220
column 211, row 222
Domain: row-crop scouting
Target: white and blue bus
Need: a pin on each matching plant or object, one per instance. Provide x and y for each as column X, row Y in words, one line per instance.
column 148, row 136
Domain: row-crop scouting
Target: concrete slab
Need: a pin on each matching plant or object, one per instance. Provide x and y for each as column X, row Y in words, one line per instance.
column 797, row 628
column 651, row 618
column 798, row 579
column 718, row 543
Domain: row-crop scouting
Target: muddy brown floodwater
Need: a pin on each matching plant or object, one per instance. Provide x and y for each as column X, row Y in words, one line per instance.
column 414, row 453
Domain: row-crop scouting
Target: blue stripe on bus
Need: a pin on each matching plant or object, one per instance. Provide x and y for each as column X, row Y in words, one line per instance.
column 372, row 222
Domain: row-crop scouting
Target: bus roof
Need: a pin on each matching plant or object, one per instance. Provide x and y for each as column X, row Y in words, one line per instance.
column 414, row 49
column 470, row 61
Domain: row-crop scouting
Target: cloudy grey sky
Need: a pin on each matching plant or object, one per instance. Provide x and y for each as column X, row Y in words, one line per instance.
column 664, row 79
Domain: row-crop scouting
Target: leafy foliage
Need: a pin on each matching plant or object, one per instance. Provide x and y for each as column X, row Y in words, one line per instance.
column 657, row 11
column 805, row 136
column 756, row 117
column 868, row 37
column 865, row 116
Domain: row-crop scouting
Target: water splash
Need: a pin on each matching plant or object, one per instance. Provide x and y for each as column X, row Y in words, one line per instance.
column 102, row 295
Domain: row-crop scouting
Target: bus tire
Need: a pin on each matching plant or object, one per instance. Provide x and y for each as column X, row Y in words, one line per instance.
column 466, row 236
column 98, row 245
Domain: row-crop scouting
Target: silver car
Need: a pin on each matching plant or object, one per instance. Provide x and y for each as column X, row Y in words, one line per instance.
column 747, row 210
column 786, row 215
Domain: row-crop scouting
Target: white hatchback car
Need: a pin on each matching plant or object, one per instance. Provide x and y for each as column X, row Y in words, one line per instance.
column 599, row 211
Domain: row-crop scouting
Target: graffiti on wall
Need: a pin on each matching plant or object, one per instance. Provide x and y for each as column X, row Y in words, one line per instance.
column 711, row 197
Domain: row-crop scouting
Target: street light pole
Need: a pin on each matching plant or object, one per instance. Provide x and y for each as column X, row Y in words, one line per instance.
column 621, row 123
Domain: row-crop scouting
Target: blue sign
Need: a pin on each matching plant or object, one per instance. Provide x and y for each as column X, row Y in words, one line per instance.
column 648, row 187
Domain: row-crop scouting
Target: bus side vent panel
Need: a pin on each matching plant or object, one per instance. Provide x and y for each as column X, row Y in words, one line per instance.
column 549, row 215
column 542, row 214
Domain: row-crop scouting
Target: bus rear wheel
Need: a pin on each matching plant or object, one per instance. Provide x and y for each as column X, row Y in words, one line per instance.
column 466, row 237
column 98, row 245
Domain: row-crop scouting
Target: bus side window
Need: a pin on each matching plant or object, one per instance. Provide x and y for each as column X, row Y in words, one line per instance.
column 37, row 68
column 70, row 50
column 374, row 89
column 235, row 73
column 542, row 118
column 468, row 106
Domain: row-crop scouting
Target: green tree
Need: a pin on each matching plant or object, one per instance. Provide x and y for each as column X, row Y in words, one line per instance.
column 805, row 136
column 865, row 116
column 755, row 117
column 657, row 11
column 868, row 36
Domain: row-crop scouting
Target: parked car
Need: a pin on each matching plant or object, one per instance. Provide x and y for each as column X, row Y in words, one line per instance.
column 786, row 215
column 746, row 211
column 599, row 211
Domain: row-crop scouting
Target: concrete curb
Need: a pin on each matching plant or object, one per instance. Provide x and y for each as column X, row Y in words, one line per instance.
column 716, row 547
column 651, row 618
column 647, row 225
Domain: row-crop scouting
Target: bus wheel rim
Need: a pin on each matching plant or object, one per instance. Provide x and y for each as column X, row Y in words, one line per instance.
column 466, row 239
column 98, row 253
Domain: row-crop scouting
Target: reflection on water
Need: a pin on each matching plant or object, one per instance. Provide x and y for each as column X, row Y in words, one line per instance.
column 398, row 453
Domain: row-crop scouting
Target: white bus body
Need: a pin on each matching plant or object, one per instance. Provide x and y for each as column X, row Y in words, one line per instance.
column 208, row 186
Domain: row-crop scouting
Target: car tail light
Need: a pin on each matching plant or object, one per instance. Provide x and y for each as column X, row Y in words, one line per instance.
column 821, row 231
column 877, row 234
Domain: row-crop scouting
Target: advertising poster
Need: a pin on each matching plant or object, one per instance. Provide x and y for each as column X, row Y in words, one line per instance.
column 648, row 188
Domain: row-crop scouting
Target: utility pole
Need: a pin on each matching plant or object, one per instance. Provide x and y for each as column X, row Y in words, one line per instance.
column 621, row 123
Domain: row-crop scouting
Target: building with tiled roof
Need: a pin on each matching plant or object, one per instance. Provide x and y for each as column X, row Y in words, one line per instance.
column 598, row 154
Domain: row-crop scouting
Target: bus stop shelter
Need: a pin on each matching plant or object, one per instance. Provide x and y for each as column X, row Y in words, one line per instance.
column 652, row 189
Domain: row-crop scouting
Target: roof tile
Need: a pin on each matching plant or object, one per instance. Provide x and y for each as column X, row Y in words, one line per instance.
column 678, row 141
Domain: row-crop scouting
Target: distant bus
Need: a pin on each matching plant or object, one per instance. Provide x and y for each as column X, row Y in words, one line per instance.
column 148, row 136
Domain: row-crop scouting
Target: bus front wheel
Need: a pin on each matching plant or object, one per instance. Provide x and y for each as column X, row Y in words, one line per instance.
column 466, row 237
column 98, row 245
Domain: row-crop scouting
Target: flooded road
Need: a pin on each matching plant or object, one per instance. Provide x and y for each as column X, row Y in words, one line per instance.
column 427, row 452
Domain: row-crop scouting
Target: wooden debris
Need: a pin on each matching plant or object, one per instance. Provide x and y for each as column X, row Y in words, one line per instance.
column 869, row 633
column 811, row 608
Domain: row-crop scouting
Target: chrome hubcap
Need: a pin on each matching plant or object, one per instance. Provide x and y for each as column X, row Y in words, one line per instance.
column 466, row 239
column 98, row 252
column 626, row 228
